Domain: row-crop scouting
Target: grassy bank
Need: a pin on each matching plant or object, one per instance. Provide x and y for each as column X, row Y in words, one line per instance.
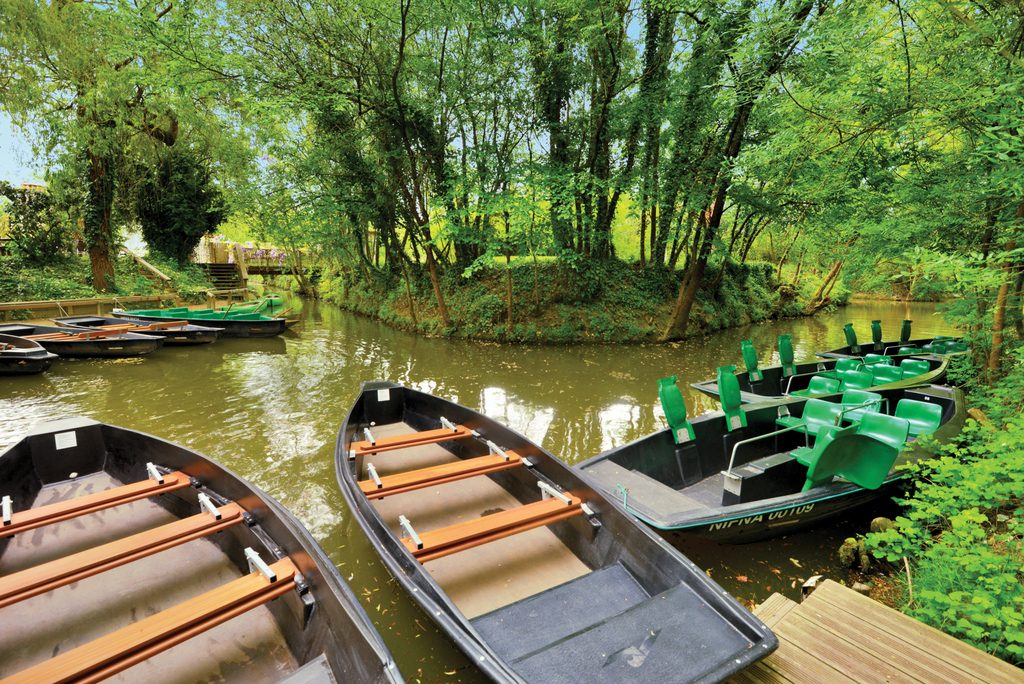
column 555, row 302
column 70, row 278
column 955, row 558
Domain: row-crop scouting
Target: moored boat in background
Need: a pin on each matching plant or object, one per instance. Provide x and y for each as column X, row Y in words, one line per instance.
column 121, row 550
column 175, row 333
column 78, row 343
column 827, row 376
column 938, row 346
column 231, row 324
column 530, row 571
column 19, row 356
column 760, row 470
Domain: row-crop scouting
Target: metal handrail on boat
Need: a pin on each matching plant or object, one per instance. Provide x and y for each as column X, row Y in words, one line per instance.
column 820, row 369
column 735, row 448
column 884, row 401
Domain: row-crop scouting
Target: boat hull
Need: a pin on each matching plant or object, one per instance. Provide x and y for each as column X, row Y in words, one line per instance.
column 25, row 365
column 186, row 335
column 774, row 385
column 612, row 533
column 889, row 348
column 123, row 345
column 649, row 475
column 228, row 328
column 314, row 625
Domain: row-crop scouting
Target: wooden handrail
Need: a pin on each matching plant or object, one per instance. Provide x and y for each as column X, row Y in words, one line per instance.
column 119, row 650
column 400, row 483
column 63, row 571
column 410, row 440
column 32, row 518
column 461, row 536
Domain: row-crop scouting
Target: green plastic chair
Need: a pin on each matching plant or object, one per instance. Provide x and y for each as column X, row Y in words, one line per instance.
column 905, row 331
column 750, row 360
column 923, row 417
column 863, row 454
column 876, row 335
column 729, row 395
column 817, row 416
column 851, row 338
column 848, row 365
column 786, row 355
column 906, row 351
column 818, row 385
column 883, row 374
column 857, row 380
column 914, row 367
column 861, row 403
column 675, row 409
column 872, row 359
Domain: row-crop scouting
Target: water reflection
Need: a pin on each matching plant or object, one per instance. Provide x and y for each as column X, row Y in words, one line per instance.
column 270, row 409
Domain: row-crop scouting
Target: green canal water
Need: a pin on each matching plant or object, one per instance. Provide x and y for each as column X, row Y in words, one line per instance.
column 270, row 410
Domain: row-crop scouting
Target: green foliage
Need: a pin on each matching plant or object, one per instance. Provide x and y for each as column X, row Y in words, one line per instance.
column 177, row 203
column 36, row 227
column 963, row 528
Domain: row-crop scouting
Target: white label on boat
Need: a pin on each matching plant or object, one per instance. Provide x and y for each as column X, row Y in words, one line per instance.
column 65, row 440
column 384, row 395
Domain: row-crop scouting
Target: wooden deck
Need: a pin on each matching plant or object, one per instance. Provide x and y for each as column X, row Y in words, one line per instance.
column 838, row 635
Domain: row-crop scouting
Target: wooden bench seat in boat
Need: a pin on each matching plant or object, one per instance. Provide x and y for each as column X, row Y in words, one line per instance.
column 63, row 571
column 461, row 536
column 119, row 650
column 439, row 474
column 412, row 439
column 32, row 518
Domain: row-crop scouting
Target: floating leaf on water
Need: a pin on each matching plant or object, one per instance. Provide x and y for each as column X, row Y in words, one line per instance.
column 742, row 578
column 795, row 562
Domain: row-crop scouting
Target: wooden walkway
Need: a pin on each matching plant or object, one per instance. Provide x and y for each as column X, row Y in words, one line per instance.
column 838, row 635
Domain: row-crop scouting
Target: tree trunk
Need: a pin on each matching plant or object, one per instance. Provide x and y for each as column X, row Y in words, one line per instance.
column 999, row 315
column 819, row 296
column 99, row 233
column 435, row 282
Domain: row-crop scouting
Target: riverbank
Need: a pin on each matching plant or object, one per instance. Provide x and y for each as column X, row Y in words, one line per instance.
column 554, row 302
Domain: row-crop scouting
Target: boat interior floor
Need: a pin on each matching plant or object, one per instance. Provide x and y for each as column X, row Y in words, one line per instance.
column 704, row 494
column 487, row 577
column 247, row 648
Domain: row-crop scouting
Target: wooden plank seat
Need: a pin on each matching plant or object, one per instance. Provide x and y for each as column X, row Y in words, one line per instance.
column 63, row 571
column 366, row 448
column 119, row 650
column 32, row 518
column 461, row 536
column 439, row 474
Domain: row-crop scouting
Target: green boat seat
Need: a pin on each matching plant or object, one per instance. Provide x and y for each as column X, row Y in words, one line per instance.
column 750, row 360
column 856, row 380
column 906, row 351
column 848, row 365
column 871, row 359
column 818, row 385
column 922, row 416
column 883, row 374
column 817, row 415
column 675, row 409
column 876, row 335
column 914, row 367
column 856, row 403
column 862, row 454
column 786, row 356
column 729, row 395
column 892, row 430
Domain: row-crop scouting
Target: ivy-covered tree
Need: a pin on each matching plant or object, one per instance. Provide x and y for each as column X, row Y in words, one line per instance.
column 177, row 203
column 38, row 231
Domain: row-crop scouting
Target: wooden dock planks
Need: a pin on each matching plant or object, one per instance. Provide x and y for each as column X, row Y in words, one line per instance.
column 838, row 635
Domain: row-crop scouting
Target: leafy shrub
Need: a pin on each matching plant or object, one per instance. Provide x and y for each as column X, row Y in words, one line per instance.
column 963, row 532
column 39, row 233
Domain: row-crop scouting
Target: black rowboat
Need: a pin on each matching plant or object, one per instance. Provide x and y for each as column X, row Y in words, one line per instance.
column 120, row 550
column 761, row 470
column 19, row 356
column 75, row 342
column 175, row 333
column 530, row 571
column 827, row 376
column 903, row 347
column 230, row 324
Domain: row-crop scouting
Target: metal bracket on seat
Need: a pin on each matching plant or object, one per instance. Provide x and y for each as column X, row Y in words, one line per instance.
column 449, row 424
column 547, row 491
column 256, row 564
column 154, row 474
column 496, row 450
column 206, row 504
column 369, row 436
column 373, row 475
column 407, row 526
column 7, row 506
